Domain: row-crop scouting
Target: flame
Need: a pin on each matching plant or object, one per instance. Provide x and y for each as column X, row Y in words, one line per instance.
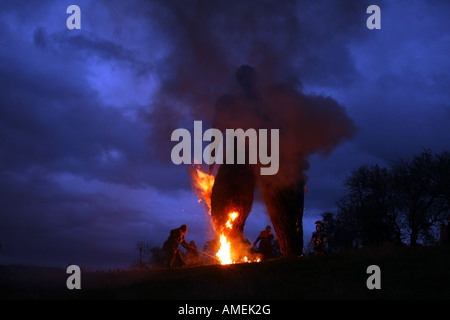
column 245, row 259
column 224, row 253
column 203, row 184
column 231, row 217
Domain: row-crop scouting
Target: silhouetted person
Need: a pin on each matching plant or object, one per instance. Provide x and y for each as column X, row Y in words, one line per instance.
column 170, row 246
column 265, row 246
column 319, row 238
column 192, row 256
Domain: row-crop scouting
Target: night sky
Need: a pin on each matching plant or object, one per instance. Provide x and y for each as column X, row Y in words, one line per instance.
column 86, row 115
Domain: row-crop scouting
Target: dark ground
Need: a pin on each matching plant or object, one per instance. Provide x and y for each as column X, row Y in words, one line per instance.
column 406, row 273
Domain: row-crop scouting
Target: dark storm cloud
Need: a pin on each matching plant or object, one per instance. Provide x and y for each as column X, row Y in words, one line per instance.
column 404, row 83
column 287, row 42
column 82, row 45
column 399, row 101
column 52, row 118
column 49, row 223
column 291, row 38
column 56, row 120
column 70, row 134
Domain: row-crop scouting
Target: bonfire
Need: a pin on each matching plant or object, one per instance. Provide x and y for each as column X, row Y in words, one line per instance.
column 202, row 185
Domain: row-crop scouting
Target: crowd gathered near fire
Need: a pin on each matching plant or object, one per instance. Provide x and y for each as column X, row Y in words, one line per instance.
column 266, row 249
column 228, row 188
column 228, row 193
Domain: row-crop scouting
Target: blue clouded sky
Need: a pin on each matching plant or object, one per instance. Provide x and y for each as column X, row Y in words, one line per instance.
column 86, row 115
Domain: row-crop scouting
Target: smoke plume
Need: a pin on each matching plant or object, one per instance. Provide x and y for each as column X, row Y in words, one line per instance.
column 208, row 40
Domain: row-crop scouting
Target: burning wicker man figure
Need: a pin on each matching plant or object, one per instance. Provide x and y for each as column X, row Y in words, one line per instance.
column 320, row 238
column 265, row 245
column 174, row 254
column 234, row 184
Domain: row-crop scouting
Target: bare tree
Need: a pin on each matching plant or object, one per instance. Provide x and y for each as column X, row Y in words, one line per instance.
column 405, row 203
column 369, row 211
column 422, row 188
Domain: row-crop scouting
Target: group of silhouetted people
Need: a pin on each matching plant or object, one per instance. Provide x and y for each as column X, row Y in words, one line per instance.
column 173, row 253
column 176, row 258
column 318, row 241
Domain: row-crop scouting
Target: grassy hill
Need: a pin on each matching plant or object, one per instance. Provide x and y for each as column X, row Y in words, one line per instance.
column 406, row 273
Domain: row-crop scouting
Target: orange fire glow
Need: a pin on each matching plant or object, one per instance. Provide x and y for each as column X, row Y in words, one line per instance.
column 231, row 217
column 224, row 253
column 203, row 184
